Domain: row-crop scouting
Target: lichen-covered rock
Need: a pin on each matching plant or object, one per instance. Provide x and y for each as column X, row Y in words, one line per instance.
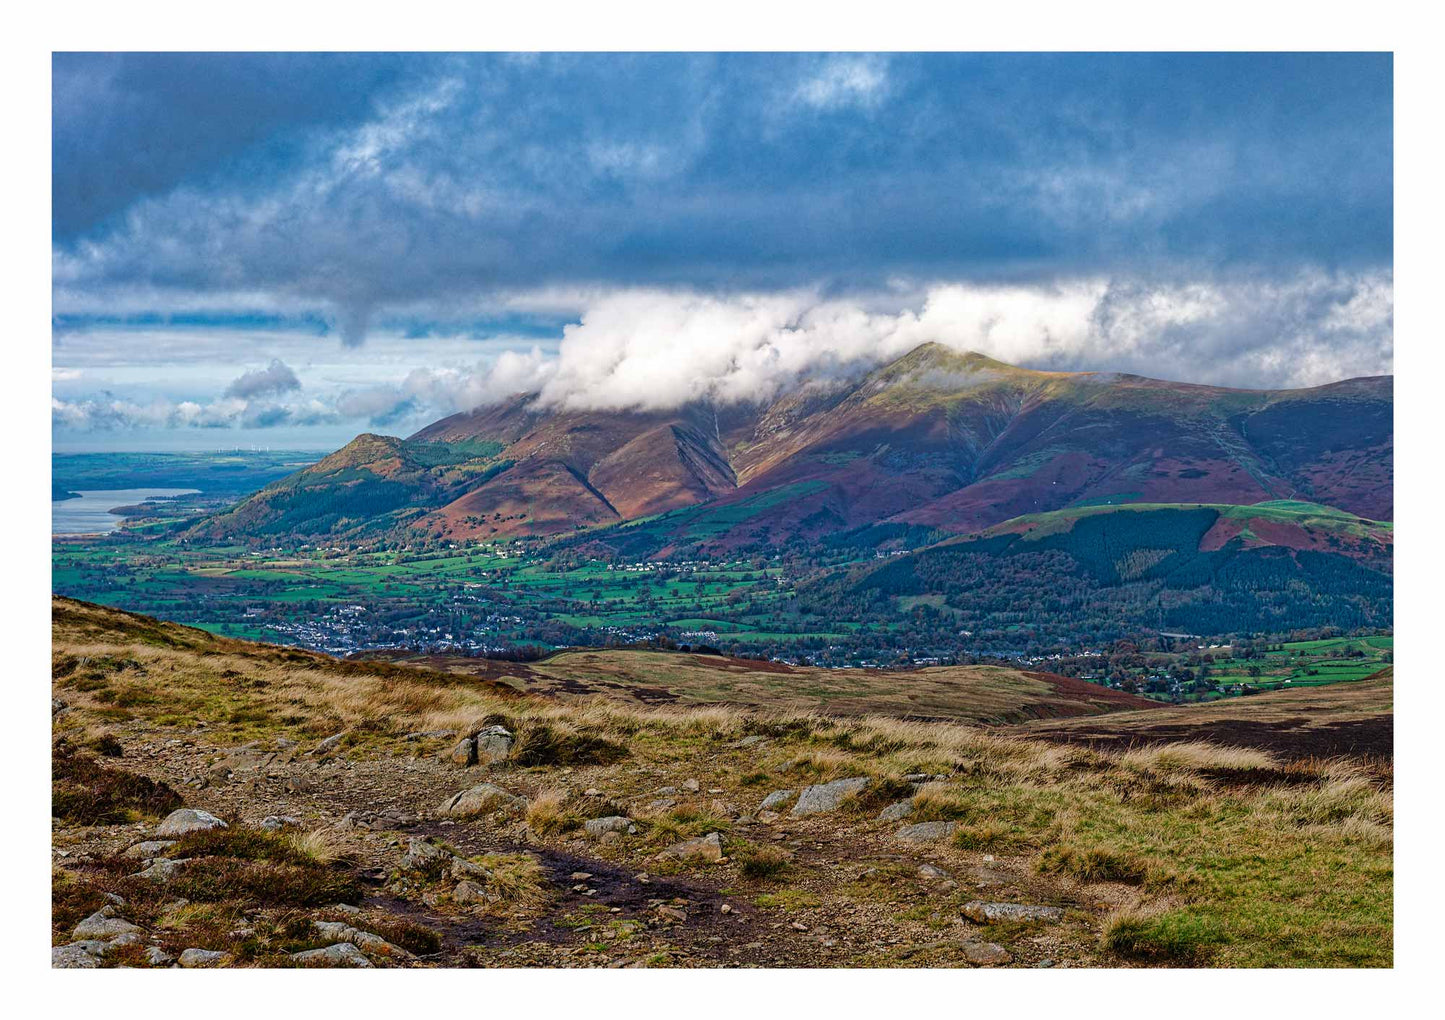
column 193, row 958
column 85, row 954
column 150, row 848
column 704, row 848
column 494, row 743
column 599, row 827
column 464, row 754
column 985, row 954
column 987, row 913
column 184, row 820
column 827, row 796
column 896, row 812
column 343, row 954
column 423, row 855
column 368, row 942
column 924, row 832
column 103, row 924
column 481, row 799
column 161, row 869
column 777, row 799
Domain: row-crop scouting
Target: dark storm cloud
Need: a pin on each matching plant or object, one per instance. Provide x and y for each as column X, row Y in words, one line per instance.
column 366, row 184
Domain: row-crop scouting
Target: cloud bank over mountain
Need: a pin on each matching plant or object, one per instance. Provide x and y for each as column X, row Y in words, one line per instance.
column 685, row 226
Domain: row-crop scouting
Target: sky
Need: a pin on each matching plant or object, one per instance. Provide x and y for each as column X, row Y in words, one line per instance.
column 284, row 250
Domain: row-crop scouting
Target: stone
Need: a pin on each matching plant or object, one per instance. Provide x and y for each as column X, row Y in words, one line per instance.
column 691, row 785
column 768, row 817
column 77, row 955
column 705, row 848
column 202, row 958
column 158, row 957
column 599, row 827
column 777, row 799
column 986, row 913
column 184, row 820
column 494, row 743
column 751, row 741
column 343, row 954
column 896, row 812
column 469, row 893
column 924, row 832
column 478, row 800
column 827, row 796
column 103, row 924
column 464, row 869
column 150, row 848
column 932, row 874
column 675, row 915
column 368, row 942
column 422, row 855
column 274, row 823
column 328, row 745
column 161, row 869
column 464, row 754
column 985, row 954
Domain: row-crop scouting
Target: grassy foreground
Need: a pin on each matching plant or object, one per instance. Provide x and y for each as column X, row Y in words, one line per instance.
column 1182, row 853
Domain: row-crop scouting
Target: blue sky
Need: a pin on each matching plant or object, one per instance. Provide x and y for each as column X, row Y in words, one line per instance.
column 375, row 240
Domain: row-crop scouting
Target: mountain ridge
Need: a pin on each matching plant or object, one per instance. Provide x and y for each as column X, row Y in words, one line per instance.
column 937, row 439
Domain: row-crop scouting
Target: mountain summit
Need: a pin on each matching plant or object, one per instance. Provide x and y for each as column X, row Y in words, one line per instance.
column 938, row 439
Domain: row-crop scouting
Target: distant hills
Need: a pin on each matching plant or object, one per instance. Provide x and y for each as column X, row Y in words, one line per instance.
column 936, row 443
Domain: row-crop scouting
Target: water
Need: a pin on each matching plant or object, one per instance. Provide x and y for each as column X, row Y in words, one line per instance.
column 90, row 514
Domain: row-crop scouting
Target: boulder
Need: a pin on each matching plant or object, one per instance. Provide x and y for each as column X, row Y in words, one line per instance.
column 464, row 754
column 469, row 893
column 986, row 913
column 343, row 954
column 184, row 820
column 77, row 955
column 924, row 832
column 202, row 958
column 703, row 848
column 368, row 942
column 896, row 812
column 599, row 827
column 422, row 855
column 328, row 745
column 103, row 924
column 777, row 799
column 161, row 869
column 274, row 823
column 479, row 800
column 150, row 848
column 985, row 954
column 158, row 957
column 494, row 743
column 827, row 796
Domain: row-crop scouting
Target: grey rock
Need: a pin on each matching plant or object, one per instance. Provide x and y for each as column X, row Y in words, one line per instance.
column 598, row 827
column 368, row 942
column 161, row 869
column 751, row 741
column 926, row 831
column 896, row 812
column 158, row 957
column 986, row 954
column 273, row 823
column 343, row 954
column 422, row 855
column 932, row 874
column 77, row 955
column 150, row 848
column 827, row 796
column 777, row 799
column 463, row 869
column 706, row 848
column 469, row 893
column 691, row 785
column 184, row 820
column 103, row 924
column 985, row 913
column 464, row 754
column 330, row 744
column 193, row 958
column 480, row 799
column 494, row 743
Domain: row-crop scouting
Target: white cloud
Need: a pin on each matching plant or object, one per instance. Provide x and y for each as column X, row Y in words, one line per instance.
column 840, row 81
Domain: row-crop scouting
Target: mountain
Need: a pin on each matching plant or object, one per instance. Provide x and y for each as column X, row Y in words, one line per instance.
column 937, row 441
column 1111, row 571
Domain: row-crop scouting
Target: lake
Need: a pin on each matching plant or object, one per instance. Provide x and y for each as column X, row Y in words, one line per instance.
column 90, row 514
